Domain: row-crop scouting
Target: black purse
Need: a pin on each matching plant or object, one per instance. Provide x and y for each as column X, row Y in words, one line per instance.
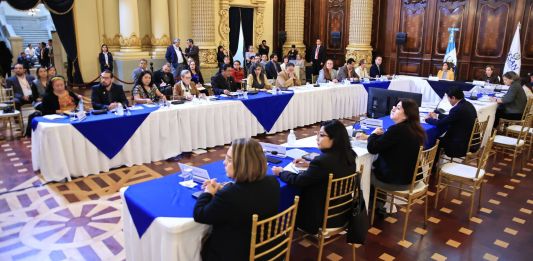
column 358, row 217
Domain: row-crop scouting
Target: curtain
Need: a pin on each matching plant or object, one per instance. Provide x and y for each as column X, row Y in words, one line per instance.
column 63, row 18
column 236, row 16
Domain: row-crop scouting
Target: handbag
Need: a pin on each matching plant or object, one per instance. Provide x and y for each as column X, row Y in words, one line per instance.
column 358, row 217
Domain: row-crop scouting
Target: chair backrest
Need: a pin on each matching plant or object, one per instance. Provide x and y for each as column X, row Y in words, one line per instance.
column 524, row 130
column 339, row 196
column 482, row 163
column 272, row 230
column 528, row 110
column 476, row 137
column 7, row 96
column 424, row 164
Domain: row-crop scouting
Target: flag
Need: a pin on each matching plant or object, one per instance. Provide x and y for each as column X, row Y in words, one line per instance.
column 513, row 61
column 451, row 53
column 240, row 49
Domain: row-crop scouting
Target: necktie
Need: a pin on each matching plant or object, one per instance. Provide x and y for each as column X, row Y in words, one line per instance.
column 316, row 52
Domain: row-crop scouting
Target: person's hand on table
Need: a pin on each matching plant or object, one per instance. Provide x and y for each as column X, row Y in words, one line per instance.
column 361, row 136
column 149, row 101
column 226, row 92
column 277, row 170
column 301, row 163
column 112, row 106
column 211, row 186
column 494, row 99
column 432, row 115
column 26, row 98
column 378, row 131
column 335, row 81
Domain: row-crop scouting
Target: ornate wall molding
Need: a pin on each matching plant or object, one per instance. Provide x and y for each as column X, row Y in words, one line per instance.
column 358, row 55
column 133, row 41
column 146, row 41
column 115, row 41
column 259, row 21
column 208, row 56
column 223, row 27
column 164, row 40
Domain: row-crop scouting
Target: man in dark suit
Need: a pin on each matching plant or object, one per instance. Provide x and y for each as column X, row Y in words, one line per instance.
column 272, row 68
column 175, row 57
column 164, row 80
column 222, row 82
column 44, row 57
column 318, row 56
column 21, row 85
column 459, row 123
column 263, row 48
column 377, row 69
column 192, row 51
column 107, row 95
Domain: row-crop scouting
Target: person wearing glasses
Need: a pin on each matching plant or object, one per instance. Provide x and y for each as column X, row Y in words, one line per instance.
column 229, row 208
column 186, row 88
column 338, row 158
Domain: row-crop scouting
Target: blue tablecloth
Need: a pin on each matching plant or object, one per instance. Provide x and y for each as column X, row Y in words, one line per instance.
column 265, row 107
column 107, row 132
column 432, row 132
column 376, row 84
column 164, row 197
column 440, row 87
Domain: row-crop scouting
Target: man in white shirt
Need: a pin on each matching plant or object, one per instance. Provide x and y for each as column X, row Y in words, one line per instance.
column 175, row 57
column 361, row 70
column 21, row 85
column 30, row 54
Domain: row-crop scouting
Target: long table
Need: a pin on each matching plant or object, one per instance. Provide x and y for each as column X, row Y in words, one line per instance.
column 61, row 151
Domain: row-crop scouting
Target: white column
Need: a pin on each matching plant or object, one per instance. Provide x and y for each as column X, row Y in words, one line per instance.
column 160, row 38
column 203, row 31
column 360, row 30
column 294, row 25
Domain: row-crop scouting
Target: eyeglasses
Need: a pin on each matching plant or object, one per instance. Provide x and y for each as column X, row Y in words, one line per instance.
column 321, row 134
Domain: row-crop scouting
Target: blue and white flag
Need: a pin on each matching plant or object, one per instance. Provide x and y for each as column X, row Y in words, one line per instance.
column 513, row 61
column 240, row 49
column 451, row 53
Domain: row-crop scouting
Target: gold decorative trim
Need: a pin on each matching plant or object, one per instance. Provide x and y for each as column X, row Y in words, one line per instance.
column 357, row 55
column 164, row 40
column 259, row 20
column 133, row 41
column 223, row 27
column 146, row 41
column 208, row 56
column 115, row 41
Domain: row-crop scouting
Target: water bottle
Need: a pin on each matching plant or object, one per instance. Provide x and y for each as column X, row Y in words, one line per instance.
column 245, row 95
column 274, row 90
column 291, row 139
column 80, row 106
column 120, row 110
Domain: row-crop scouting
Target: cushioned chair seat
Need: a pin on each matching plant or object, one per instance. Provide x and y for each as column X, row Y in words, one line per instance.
column 461, row 170
column 504, row 140
column 518, row 128
column 419, row 187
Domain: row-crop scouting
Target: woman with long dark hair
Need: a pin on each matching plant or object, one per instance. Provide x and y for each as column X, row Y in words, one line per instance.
column 145, row 90
column 337, row 158
column 105, row 58
column 257, row 78
column 397, row 147
column 327, row 74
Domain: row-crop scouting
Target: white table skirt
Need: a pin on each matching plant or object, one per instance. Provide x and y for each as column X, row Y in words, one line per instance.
column 60, row 151
column 415, row 85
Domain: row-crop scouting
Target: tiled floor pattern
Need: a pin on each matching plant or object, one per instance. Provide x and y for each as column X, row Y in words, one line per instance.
column 81, row 220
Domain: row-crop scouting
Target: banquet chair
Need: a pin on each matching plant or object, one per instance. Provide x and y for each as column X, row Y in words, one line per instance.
column 465, row 177
column 417, row 189
column 513, row 144
column 7, row 100
column 513, row 129
column 474, row 144
column 277, row 230
column 339, row 197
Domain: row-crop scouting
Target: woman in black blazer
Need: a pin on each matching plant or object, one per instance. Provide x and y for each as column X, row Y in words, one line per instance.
column 397, row 148
column 337, row 158
column 105, row 65
column 58, row 99
column 229, row 208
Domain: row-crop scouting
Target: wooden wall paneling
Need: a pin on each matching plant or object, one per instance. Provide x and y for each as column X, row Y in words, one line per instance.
column 492, row 28
column 337, row 25
column 527, row 32
column 412, row 21
column 428, row 39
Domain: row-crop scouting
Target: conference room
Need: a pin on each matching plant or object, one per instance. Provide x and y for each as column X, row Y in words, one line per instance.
column 265, row 130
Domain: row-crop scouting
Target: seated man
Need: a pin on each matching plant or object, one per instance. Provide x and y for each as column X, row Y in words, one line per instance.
column 376, row 70
column 164, row 79
column 20, row 83
column 106, row 94
column 272, row 67
column 347, row 71
column 288, row 77
column 222, row 82
column 143, row 66
column 459, row 123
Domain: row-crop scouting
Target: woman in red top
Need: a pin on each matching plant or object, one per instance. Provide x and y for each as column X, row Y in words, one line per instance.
column 237, row 72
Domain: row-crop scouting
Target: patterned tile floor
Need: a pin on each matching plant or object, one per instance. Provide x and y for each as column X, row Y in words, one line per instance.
column 81, row 220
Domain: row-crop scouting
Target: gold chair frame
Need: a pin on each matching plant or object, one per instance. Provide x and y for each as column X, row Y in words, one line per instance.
column 516, row 149
column 476, row 140
column 7, row 97
column 422, row 172
column 471, row 185
column 271, row 229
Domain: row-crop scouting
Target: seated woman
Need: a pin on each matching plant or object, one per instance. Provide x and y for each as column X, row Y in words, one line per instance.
column 229, row 208
column 186, row 88
column 361, row 70
column 237, row 72
column 51, row 72
column 58, row 99
column 512, row 104
column 39, row 84
column 446, row 73
column 285, row 62
column 257, row 79
column 490, row 76
column 337, row 158
column 196, row 74
column 397, row 148
column 145, row 90
column 327, row 74
column 300, row 64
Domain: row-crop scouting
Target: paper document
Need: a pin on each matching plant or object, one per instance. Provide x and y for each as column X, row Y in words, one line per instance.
column 295, row 153
column 54, row 117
